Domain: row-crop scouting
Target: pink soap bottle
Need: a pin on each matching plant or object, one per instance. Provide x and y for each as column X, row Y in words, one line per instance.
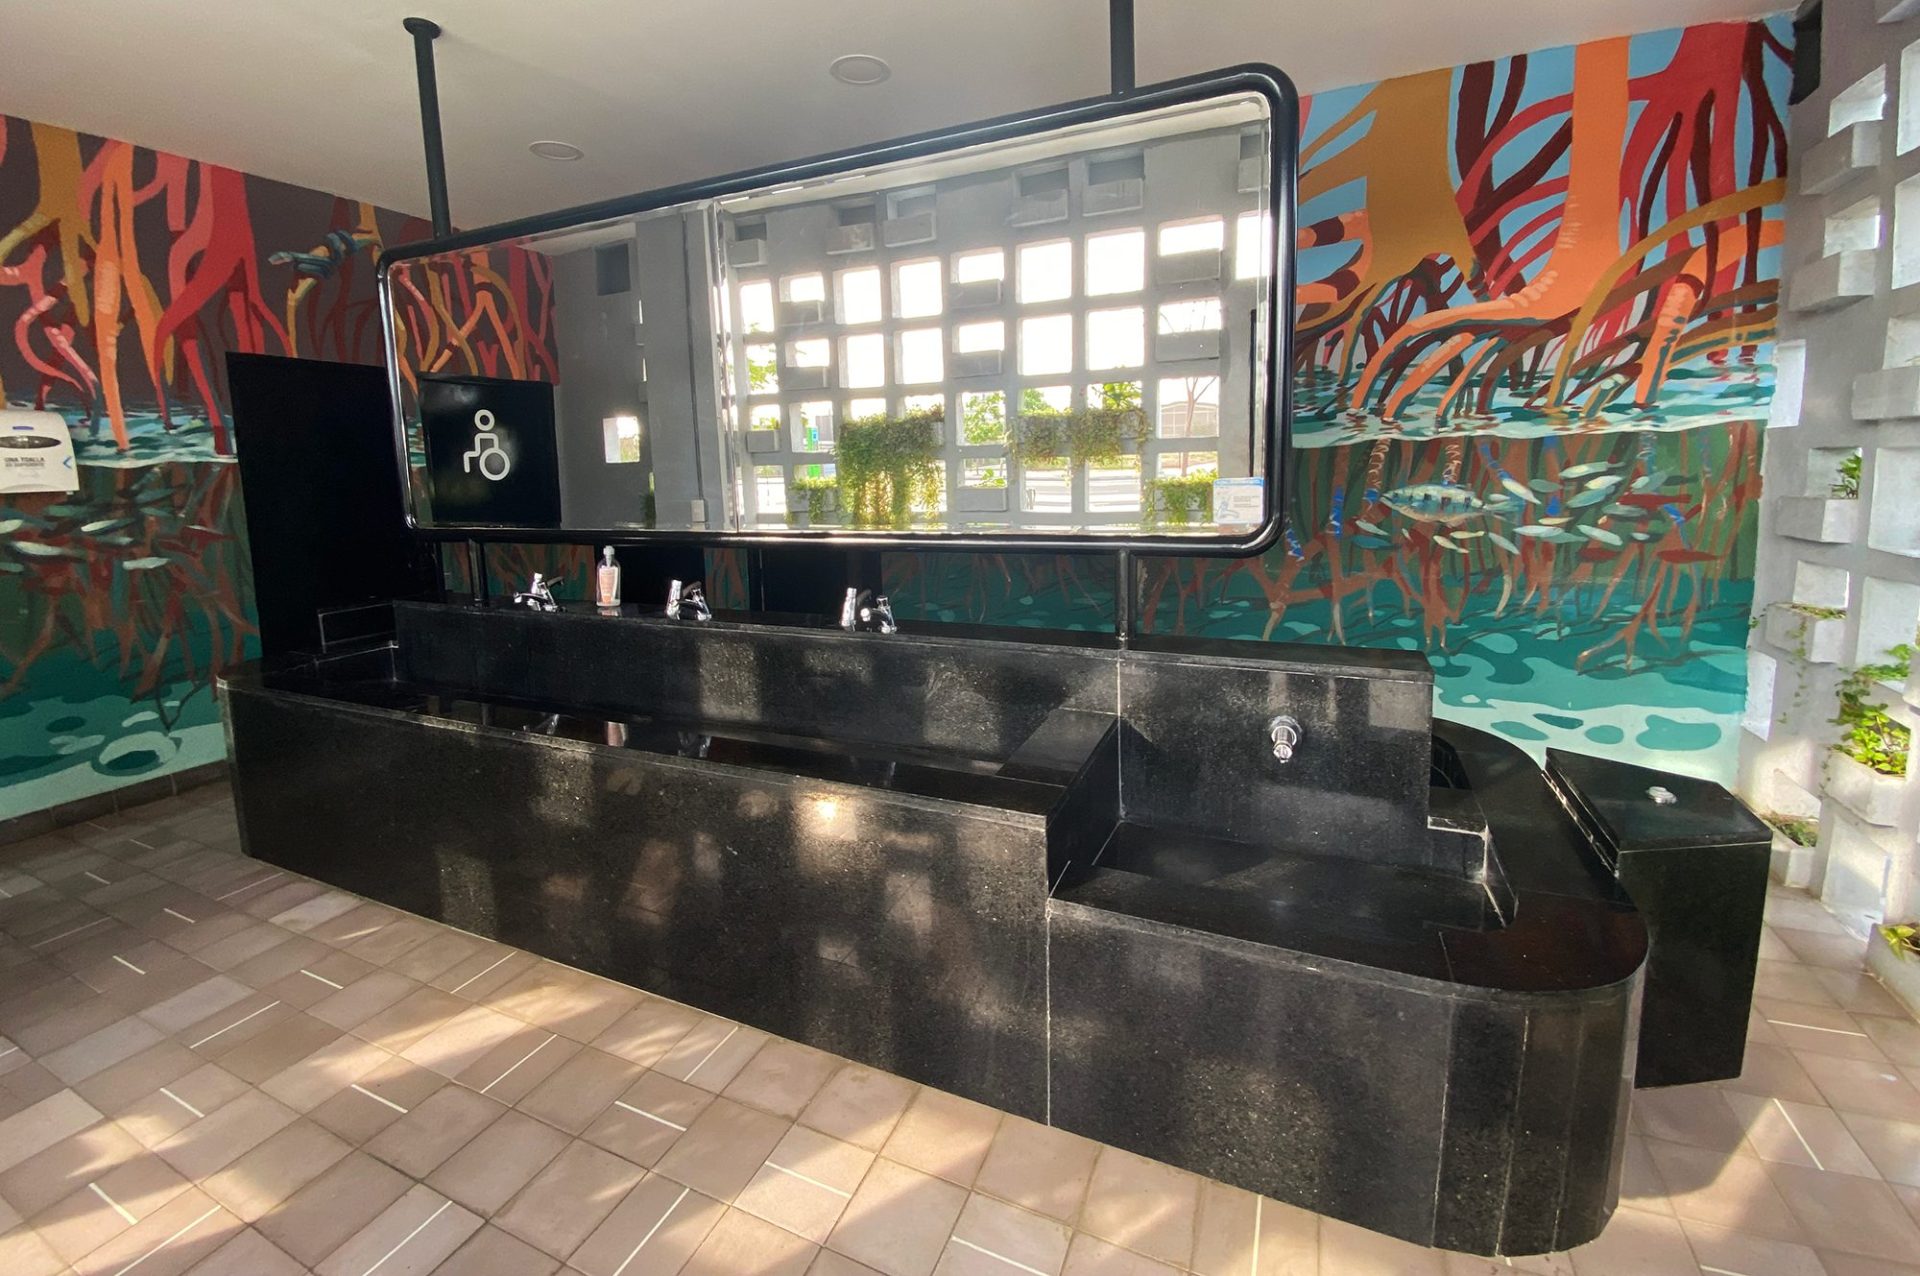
column 607, row 580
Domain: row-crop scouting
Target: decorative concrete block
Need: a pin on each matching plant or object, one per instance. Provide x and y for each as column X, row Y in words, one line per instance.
column 1833, row 163
column 916, row 228
column 1250, row 175
column 1818, row 640
column 763, row 440
column 1871, row 796
column 1171, row 347
column 1038, row 210
column 1817, row 518
column 793, row 378
column 1199, row 266
column 1123, row 196
column 801, row 313
column 978, row 363
column 974, row 292
column 1835, row 280
column 1790, row 864
column 980, row 500
column 1900, row 974
column 747, row 252
column 1888, row 394
column 857, row 238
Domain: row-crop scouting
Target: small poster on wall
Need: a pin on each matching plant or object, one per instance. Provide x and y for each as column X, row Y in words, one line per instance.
column 491, row 457
column 36, row 453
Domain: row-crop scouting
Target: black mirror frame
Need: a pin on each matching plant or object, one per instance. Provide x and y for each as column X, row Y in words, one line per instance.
column 1275, row 413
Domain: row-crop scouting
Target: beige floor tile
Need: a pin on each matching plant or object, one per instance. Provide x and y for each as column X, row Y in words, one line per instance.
column 860, row 1105
column 283, row 1164
column 1727, row 1189
column 1142, row 1205
column 1788, row 981
column 741, row 1244
column 441, row 1125
column 828, row 1263
column 567, row 1200
column 226, row 1134
column 1819, row 1029
column 1800, row 1134
column 114, row 1089
column 1775, row 1071
column 186, row 1230
column 945, row 1135
column 1862, row 1086
column 1893, row 1147
column 311, row 1081
column 806, row 1182
column 409, row 1019
column 642, row 1124
column 67, row 1166
column 462, row 1040
column 172, row 1108
column 782, row 1078
column 1635, row 1243
column 362, row 999
column 412, row 1235
column 314, row 1221
column 248, row 1254
column 644, row 1034
column 1842, row 1212
column 723, row 1149
column 1898, row 1039
column 376, row 1099
column 1091, row 1256
column 492, row 1252
column 992, row 1237
column 711, row 1054
column 653, row 1232
column 580, row 1089
column 1038, row 1168
column 23, row 1253
column 1240, row 1234
column 899, row 1220
column 510, row 1071
column 497, row 1162
column 1726, row 1250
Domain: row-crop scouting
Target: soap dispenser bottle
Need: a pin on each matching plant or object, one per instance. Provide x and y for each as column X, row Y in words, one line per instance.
column 607, row 580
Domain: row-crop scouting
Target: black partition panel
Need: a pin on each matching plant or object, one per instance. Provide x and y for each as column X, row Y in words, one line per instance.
column 325, row 521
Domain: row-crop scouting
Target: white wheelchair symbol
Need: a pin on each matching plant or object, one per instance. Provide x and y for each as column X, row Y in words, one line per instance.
column 494, row 461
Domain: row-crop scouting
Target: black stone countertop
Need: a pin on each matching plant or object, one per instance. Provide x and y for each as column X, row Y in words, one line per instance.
column 1572, row 929
column 363, row 680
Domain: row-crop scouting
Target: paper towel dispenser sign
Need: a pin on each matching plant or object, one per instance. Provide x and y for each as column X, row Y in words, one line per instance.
column 490, row 449
column 36, row 453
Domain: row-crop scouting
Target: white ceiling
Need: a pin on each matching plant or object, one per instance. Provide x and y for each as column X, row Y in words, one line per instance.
column 321, row 93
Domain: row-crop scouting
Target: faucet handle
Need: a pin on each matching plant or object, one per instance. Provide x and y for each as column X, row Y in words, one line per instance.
column 880, row 615
column 695, row 597
column 675, row 597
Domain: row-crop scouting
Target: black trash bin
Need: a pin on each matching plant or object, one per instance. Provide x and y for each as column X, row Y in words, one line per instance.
column 1694, row 860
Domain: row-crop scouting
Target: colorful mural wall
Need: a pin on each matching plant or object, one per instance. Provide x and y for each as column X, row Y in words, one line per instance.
column 1534, row 357
column 1533, row 365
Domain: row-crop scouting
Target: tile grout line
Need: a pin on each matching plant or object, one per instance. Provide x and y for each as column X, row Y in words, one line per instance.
column 129, row 965
column 249, row 886
column 408, row 1237
column 182, row 916
column 1838, row 1032
column 1795, row 1127
column 118, row 1208
column 622, row 1103
column 98, row 921
column 170, row 1240
column 235, row 1024
column 182, row 1102
column 470, row 978
column 662, row 1222
column 982, row 1249
column 807, row 1178
column 376, row 1098
column 522, row 1059
column 322, row 978
column 704, row 1059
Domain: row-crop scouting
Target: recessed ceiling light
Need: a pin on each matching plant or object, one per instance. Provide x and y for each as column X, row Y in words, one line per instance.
column 556, row 150
column 859, row 68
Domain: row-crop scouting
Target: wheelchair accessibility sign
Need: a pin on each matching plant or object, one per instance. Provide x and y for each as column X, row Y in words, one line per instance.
column 492, row 459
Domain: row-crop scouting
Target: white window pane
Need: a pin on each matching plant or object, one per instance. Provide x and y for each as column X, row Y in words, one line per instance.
column 808, row 354
column 1116, row 338
column 1251, row 242
column 1046, row 271
column 804, row 287
column 858, row 408
column 1188, row 237
column 983, row 417
column 916, row 289
column 812, row 427
column 1114, row 488
column 971, row 338
column 1189, row 407
column 1046, row 398
column 864, row 361
column 765, row 416
column 756, row 306
column 770, row 489
column 1190, row 316
column 1046, row 345
column 621, row 439
column 1047, row 491
column 1116, row 262
column 1172, row 463
column 860, row 295
column 983, row 471
column 921, row 358
column 972, row 267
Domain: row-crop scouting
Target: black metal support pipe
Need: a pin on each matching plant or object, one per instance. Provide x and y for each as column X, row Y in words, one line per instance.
column 425, row 32
column 1120, row 44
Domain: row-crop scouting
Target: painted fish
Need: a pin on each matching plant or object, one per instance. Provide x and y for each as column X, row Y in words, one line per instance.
column 1503, row 542
column 1436, row 503
column 1584, row 469
column 1600, row 534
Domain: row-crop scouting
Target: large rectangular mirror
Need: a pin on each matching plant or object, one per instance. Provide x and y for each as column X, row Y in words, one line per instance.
column 1059, row 329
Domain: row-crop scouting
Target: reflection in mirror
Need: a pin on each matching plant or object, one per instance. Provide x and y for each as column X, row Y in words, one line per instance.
column 1061, row 334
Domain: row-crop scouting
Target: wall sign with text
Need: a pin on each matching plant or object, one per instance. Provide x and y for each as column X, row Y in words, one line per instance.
column 36, row 452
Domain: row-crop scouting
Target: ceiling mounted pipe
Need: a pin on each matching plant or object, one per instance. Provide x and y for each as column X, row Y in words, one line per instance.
column 424, row 32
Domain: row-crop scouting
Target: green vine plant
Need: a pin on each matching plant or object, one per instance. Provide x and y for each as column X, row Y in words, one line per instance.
column 1847, row 486
column 886, row 466
column 1096, row 434
column 1183, row 495
column 818, row 489
column 1903, row 938
column 1797, row 829
column 1870, row 736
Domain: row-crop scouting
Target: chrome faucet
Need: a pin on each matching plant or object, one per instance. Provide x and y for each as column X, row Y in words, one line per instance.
column 537, row 595
column 687, row 602
column 857, row 614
